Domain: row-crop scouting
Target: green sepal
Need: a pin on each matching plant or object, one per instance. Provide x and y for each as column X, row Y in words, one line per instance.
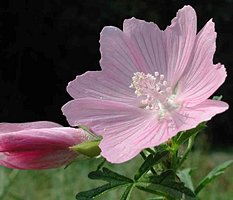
column 185, row 135
column 88, row 148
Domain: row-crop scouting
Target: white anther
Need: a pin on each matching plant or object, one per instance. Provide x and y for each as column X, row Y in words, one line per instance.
column 161, row 77
column 155, row 91
column 161, row 92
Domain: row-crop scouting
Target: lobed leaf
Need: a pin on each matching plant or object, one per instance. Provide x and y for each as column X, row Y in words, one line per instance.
column 109, row 176
column 165, row 185
column 127, row 193
column 217, row 171
column 91, row 194
column 114, row 180
column 185, row 177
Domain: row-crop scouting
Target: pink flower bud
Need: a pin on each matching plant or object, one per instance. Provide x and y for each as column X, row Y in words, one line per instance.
column 38, row 145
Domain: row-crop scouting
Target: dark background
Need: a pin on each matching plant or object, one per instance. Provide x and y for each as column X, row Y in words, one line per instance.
column 46, row 43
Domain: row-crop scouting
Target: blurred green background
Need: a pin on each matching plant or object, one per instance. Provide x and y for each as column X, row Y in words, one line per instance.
column 46, row 43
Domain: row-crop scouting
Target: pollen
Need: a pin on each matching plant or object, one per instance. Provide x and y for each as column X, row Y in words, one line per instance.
column 155, row 92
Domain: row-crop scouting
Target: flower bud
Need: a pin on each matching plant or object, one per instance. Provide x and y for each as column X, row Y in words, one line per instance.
column 39, row 145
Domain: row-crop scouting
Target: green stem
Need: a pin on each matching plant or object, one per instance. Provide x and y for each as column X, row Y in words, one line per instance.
column 188, row 149
column 101, row 165
column 150, row 151
column 174, row 159
column 144, row 157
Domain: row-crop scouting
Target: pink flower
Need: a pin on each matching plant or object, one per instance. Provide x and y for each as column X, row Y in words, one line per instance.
column 38, row 145
column 153, row 84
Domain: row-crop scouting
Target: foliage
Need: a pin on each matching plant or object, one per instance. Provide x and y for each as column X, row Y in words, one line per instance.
column 60, row 184
column 161, row 173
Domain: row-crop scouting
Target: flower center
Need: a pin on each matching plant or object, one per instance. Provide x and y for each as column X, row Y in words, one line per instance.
column 155, row 93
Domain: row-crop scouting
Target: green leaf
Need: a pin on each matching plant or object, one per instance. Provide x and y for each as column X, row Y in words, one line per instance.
column 161, row 147
column 109, row 176
column 127, row 193
column 185, row 135
column 91, row 194
column 217, row 171
column 185, row 177
column 149, row 162
column 101, row 164
column 114, row 180
column 147, row 188
column 156, row 198
column 165, row 185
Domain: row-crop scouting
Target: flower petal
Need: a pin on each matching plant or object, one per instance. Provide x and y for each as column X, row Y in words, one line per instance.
column 128, row 141
column 147, row 42
column 41, row 139
column 126, row 130
column 201, row 78
column 101, row 85
column 37, row 159
column 99, row 115
column 12, row 127
column 118, row 55
column 180, row 38
column 165, row 52
column 192, row 116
